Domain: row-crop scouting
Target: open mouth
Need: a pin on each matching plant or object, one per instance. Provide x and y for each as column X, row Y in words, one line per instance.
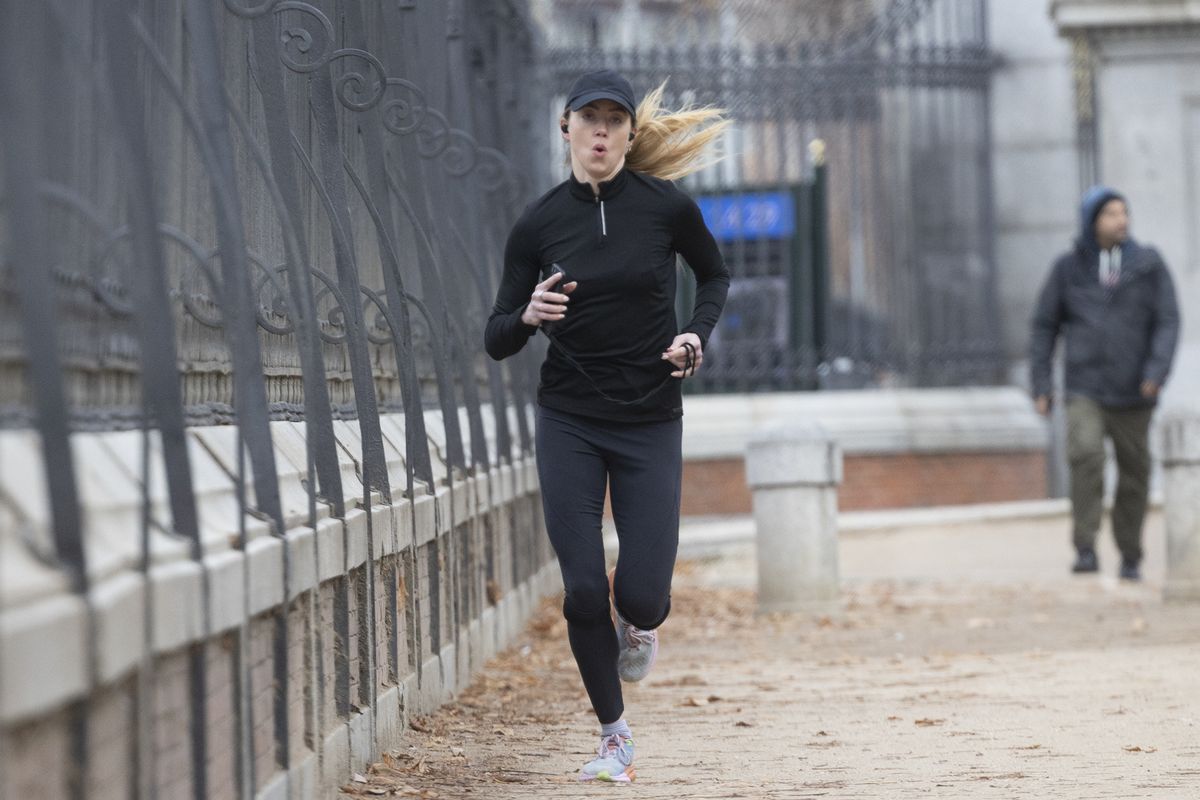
column 599, row 149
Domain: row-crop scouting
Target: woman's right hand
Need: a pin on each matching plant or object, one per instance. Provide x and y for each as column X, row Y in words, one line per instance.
column 546, row 305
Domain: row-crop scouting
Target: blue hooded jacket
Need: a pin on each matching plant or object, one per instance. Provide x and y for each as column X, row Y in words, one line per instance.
column 1115, row 338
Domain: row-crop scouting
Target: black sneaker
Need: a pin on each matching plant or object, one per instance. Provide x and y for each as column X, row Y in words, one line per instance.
column 1086, row 561
column 1130, row 571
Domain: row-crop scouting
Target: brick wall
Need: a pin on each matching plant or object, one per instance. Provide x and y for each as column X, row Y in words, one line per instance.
column 111, row 743
column 33, row 757
column 221, row 718
column 172, row 727
column 261, row 665
column 327, row 638
column 906, row 480
column 301, row 674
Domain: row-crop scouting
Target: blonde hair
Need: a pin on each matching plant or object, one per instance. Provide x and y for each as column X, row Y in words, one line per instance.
column 670, row 144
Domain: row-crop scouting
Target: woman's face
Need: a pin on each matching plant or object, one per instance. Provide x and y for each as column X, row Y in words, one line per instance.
column 599, row 136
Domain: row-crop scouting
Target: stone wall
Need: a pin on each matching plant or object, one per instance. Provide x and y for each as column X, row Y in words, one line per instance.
column 901, row 449
column 274, row 668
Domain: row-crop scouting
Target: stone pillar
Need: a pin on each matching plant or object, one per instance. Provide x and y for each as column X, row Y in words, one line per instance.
column 793, row 472
column 1181, row 494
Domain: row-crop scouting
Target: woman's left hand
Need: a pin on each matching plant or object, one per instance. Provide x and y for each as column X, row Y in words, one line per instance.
column 678, row 355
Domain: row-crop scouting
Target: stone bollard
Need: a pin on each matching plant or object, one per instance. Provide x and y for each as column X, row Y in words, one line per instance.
column 793, row 471
column 1181, row 505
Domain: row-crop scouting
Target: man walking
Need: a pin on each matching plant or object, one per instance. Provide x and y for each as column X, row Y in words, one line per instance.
column 1113, row 302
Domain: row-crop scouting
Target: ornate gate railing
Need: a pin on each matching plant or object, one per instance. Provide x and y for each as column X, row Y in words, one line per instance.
column 892, row 97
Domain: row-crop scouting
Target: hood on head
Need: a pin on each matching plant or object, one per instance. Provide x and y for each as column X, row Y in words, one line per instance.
column 1094, row 200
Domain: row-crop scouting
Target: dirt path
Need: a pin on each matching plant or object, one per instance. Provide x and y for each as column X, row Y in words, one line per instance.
column 1065, row 688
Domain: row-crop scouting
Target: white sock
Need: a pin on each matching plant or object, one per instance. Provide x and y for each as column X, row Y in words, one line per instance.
column 620, row 726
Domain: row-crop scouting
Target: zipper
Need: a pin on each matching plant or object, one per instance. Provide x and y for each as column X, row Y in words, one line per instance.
column 603, row 221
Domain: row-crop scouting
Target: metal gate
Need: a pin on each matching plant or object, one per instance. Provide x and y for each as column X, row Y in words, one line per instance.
column 890, row 101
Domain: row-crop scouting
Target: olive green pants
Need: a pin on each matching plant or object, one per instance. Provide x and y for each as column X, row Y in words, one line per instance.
column 1087, row 425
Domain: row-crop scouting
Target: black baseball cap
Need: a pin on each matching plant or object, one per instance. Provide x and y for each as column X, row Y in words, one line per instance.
column 603, row 84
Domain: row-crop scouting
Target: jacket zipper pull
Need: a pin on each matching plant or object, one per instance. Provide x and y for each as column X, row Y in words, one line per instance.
column 603, row 222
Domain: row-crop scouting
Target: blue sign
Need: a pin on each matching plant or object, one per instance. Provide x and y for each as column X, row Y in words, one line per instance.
column 749, row 215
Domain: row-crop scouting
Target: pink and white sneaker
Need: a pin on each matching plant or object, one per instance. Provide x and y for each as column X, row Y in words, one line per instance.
column 613, row 763
column 638, row 649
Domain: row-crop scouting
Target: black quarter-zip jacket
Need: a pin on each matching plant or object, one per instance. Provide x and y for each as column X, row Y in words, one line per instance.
column 619, row 245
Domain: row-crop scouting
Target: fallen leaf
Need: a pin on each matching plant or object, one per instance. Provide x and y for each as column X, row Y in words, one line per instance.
column 893, row 718
column 1133, row 748
column 925, row 722
column 712, row 698
column 359, row 778
column 417, row 766
column 694, row 702
column 741, row 723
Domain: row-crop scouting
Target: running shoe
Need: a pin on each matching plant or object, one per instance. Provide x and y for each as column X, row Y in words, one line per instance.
column 613, row 762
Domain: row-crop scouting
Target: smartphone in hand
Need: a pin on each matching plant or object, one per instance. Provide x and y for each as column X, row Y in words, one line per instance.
column 549, row 270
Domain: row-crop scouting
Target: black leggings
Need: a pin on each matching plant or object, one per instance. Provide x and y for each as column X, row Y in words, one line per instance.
column 641, row 463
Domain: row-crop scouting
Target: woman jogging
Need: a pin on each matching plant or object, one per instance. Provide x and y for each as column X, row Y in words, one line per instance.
column 592, row 264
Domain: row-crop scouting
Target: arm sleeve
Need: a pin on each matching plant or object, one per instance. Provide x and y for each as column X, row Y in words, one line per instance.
column 1047, row 319
column 505, row 333
column 694, row 241
column 1166, row 330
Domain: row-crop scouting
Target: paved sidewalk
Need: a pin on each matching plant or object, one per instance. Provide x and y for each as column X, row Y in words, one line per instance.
column 966, row 664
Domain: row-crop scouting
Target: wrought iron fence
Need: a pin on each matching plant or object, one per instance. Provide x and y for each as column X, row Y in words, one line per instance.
column 275, row 210
column 890, row 100
column 258, row 210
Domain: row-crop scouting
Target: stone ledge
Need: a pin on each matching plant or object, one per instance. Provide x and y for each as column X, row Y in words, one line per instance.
column 118, row 608
column 425, row 515
column 264, row 570
column 356, row 538
column 43, row 631
column 176, row 603
column 331, row 550
column 226, row 590
column 41, row 639
column 1075, row 14
column 871, row 422
column 302, row 561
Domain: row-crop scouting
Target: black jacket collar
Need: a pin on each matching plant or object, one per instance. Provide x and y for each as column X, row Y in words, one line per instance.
column 608, row 189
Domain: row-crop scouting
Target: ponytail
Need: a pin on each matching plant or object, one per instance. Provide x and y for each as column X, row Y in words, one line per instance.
column 669, row 144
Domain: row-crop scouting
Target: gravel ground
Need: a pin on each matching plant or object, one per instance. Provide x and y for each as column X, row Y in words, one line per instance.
column 965, row 664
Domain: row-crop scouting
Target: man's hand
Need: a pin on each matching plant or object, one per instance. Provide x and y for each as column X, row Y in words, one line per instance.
column 677, row 354
column 1042, row 404
column 1149, row 390
column 545, row 305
